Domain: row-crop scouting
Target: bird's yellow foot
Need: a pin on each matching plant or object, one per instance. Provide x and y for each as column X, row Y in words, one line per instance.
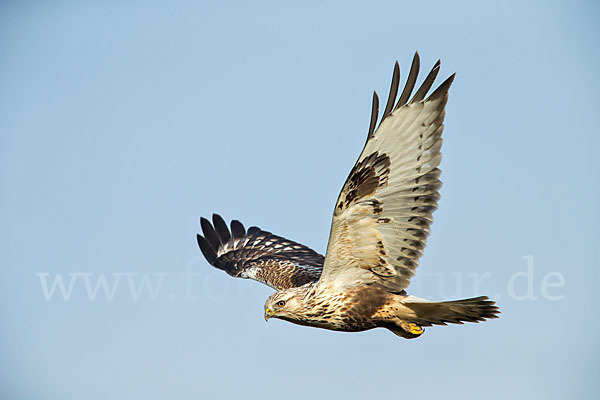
column 407, row 330
column 414, row 329
column 411, row 329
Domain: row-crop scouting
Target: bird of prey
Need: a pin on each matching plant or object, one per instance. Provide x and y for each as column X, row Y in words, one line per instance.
column 381, row 220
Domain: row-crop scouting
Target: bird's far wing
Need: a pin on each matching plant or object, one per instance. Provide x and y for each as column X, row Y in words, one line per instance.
column 256, row 254
column 384, row 211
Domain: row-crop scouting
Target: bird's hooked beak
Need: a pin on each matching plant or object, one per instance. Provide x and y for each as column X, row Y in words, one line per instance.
column 268, row 313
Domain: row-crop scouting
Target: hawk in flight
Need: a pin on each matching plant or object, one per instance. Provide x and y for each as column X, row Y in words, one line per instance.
column 381, row 221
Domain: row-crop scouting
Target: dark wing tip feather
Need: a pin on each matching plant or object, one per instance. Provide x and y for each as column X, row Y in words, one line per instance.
column 221, row 228
column 237, row 229
column 393, row 91
column 207, row 249
column 442, row 89
column 413, row 74
column 253, row 229
column 427, row 83
column 209, row 233
column 374, row 114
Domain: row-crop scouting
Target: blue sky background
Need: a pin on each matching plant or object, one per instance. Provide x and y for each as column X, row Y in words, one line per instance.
column 123, row 122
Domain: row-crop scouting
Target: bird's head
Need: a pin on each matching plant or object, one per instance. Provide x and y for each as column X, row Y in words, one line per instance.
column 287, row 304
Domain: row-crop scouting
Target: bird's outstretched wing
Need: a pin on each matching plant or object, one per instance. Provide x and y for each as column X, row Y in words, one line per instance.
column 384, row 211
column 256, row 254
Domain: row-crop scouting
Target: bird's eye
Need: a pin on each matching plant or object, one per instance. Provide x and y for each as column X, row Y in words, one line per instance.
column 281, row 303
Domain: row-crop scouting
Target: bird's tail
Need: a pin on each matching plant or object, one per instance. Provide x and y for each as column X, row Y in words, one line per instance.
column 418, row 313
column 427, row 313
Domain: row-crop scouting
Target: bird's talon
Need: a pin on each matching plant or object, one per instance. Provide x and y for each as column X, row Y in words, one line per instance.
column 415, row 329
